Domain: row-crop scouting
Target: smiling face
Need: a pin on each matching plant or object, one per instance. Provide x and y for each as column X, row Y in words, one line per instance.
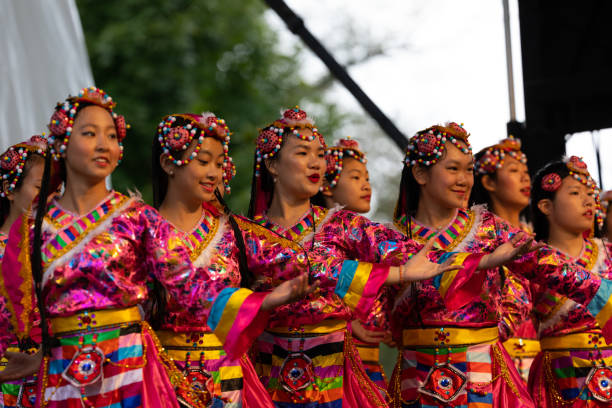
column 353, row 189
column 298, row 167
column 197, row 180
column 573, row 207
column 93, row 149
column 447, row 183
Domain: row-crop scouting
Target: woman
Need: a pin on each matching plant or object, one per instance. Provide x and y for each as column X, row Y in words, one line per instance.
column 306, row 355
column 91, row 259
column 573, row 367
column 21, row 168
column 347, row 183
column 190, row 164
column 502, row 182
column 453, row 357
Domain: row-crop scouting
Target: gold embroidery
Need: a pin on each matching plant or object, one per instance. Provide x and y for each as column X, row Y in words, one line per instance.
column 214, row 226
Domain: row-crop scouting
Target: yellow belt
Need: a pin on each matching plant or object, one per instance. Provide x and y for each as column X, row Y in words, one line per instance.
column 92, row 319
column 448, row 336
column 326, row 326
column 519, row 347
column 191, row 339
column 191, row 346
column 574, row 341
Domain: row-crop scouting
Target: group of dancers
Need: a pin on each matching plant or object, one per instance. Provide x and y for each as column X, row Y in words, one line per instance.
column 109, row 302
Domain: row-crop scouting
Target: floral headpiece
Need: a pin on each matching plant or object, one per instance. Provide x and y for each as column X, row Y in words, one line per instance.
column 175, row 138
column 270, row 139
column 579, row 171
column 63, row 118
column 14, row 159
column 427, row 146
column 494, row 156
column 335, row 158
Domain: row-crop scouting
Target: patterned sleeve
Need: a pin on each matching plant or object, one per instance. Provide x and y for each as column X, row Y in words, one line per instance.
column 376, row 247
column 516, row 304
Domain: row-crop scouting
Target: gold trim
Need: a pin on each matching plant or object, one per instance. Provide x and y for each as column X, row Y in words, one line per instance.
column 214, row 227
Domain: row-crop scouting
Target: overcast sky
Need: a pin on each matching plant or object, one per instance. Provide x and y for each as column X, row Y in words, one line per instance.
column 447, row 62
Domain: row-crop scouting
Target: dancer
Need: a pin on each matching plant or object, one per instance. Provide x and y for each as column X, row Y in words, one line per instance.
column 502, row 182
column 190, row 163
column 91, row 259
column 306, row 355
column 452, row 357
column 21, row 167
column 573, row 367
column 347, row 183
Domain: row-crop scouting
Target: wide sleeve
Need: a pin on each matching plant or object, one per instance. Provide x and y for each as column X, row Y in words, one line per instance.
column 516, row 304
column 555, row 271
column 237, row 320
column 371, row 242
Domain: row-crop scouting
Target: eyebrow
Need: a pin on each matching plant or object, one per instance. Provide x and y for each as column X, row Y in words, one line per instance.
column 96, row 126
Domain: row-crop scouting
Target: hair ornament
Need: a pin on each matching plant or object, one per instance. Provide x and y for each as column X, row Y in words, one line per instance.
column 175, row 136
column 427, row 146
column 270, row 139
column 62, row 120
column 335, row 156
column 494, row 156
column 579, row 171
column 14, row 159
column 551, row 182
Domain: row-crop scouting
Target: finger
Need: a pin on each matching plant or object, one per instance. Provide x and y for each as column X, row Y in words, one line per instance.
column 450, row 268
column 312, row 288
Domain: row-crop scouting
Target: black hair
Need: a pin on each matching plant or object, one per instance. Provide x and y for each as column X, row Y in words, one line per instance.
column 36, row 258
column 540, row 222
column 159, row 177
column 5, row 204
column 479, row 194
column 408, row 198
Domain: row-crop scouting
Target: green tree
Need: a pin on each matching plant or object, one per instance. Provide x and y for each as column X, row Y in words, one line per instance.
column 157, row 57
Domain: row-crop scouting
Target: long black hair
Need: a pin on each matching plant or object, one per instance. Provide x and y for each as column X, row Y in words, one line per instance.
column 479, row 194
column 541, row 225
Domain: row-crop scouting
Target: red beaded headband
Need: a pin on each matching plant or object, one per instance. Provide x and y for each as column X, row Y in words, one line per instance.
column 63, row 118
column 176, row 138
column 335, row 158
column 427, row 146
column 494, row 156
column 270, row 139
column 14, row 159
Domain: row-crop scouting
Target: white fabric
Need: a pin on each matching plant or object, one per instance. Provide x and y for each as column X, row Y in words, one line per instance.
column 44, row 58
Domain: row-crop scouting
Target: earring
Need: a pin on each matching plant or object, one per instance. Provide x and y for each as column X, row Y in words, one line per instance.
column 274, row 179
column 171, row 174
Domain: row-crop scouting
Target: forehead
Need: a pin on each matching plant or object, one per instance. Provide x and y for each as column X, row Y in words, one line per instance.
column 571, row 182
column 92, row 115
column 349, row 164
column 211, row 145
column 456, row 155
column 293, row 141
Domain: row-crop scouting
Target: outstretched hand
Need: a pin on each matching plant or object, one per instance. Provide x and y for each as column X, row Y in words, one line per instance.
column 288, row 292
column 368, row 336
column 20, row 365
column 419, row 267
column 509, row 250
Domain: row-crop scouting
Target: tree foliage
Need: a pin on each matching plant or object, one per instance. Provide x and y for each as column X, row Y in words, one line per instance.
column 157, row 57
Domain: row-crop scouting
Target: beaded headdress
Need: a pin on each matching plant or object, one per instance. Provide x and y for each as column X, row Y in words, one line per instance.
column 494, row 156
column 335, row 156
column 270, row 139
column 63, row 117
column 14, row 159
column 577, row 168
column 174, row 137
column 427, row 146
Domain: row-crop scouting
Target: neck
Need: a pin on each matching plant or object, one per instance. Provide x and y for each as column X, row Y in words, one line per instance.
column 183, row 214
column 287, row 211
column 568, row 242
column 508, row 213
column 13, row 215
column 432, row 214
column 80, row 198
